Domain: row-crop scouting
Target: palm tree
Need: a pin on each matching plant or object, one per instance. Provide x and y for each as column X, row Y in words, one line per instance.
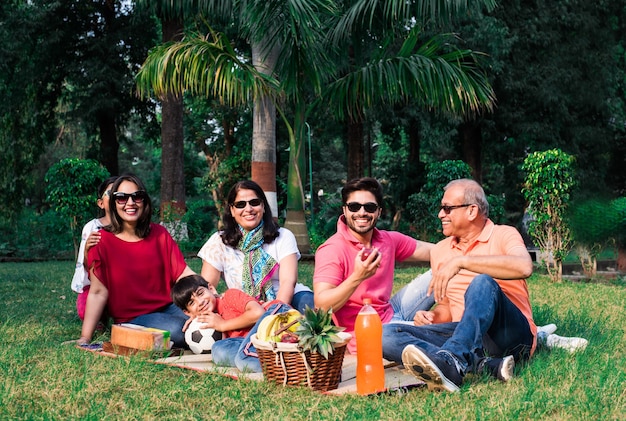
column 440, row 79
column 285, row 41
column 384, row 59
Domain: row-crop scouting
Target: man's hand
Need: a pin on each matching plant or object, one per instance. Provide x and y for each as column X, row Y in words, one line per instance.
column 365, row 267
column 441, row 277
column 423, row 317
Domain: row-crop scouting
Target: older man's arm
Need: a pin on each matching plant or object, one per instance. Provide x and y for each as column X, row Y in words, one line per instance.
column 516, row 265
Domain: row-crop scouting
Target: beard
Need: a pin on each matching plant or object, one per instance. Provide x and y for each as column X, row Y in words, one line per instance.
column 362, row 229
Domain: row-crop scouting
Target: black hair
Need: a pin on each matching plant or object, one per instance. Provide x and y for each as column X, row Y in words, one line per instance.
column 185, row 288
column 143, row 224
column 231, row 234
column 102, row 188
column 364, row 183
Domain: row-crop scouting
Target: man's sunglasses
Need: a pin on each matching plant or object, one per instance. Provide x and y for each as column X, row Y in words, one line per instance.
column 447, row 209
column 121, row 198
column 242, row 203
column 369, row 207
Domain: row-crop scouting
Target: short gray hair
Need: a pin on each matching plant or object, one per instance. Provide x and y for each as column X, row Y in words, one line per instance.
column 473, row 193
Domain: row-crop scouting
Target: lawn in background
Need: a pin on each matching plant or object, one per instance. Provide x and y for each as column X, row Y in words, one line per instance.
column 42, row 379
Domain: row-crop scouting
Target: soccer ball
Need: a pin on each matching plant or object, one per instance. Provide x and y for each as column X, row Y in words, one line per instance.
column 199, row 340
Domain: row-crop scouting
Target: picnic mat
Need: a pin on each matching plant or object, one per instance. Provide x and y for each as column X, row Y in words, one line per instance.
column 396, row 377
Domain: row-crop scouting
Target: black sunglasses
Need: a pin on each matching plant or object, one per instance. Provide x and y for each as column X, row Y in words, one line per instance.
column 369, row 207
column 447, row 209
column 121, row 198
column 242, row 203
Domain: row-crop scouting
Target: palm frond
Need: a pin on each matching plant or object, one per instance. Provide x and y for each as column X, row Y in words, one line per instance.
column 437, row 80
column 206, row 66
column 363, row 13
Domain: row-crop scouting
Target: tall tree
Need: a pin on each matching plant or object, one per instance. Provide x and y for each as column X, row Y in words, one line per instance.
column 386, row 59
column 280, row 35
column 173, row 195
column 111, row 41
column 69, row 62
column 30, row 83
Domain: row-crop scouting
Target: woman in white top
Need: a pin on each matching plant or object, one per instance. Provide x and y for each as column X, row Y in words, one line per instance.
column 89, row 238
column 253, row 253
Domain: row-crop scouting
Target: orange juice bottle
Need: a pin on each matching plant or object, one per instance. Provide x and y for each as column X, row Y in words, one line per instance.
column 370, row 373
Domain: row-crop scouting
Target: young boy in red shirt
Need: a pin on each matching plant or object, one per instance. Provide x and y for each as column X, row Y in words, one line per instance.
column 236, row 314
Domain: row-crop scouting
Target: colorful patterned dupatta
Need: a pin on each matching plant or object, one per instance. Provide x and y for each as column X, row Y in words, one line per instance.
column 258, row 265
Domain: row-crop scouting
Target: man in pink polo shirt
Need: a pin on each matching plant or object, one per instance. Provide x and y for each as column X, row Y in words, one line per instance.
column 358, row 262
column 483, row 307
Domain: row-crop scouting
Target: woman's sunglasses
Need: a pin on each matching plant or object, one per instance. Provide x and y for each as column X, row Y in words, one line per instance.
column 121, row 198
column 242, row 203
column 369, row 207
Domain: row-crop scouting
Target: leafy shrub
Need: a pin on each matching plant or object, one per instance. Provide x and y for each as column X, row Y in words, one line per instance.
column 424, row 206
column 547, row 188
column 202, row 221
column 324, row 224
column 36, row 236
column 72, row 189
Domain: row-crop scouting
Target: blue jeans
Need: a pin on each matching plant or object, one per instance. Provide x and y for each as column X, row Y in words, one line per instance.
column 170, row 318
column 239, row 352
column 491, row 324
column 411, row 298
column 301, row 300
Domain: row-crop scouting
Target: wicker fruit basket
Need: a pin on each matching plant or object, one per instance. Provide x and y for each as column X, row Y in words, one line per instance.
column 288, row 364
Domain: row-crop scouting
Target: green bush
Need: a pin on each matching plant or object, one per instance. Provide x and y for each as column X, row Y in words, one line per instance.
column 548, row 185
column 72, row 190
column 424, row 206
column 36, row 236
column 202, row 221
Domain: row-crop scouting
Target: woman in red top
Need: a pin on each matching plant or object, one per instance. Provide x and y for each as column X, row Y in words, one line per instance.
column 134, row 266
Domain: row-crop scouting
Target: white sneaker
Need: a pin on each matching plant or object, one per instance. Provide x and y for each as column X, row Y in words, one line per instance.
column 547, row 329
column 572, row 344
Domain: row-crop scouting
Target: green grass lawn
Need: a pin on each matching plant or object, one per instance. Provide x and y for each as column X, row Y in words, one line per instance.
column 42, row 379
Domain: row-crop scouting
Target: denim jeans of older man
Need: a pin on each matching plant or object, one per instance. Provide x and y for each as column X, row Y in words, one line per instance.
column 491, row 324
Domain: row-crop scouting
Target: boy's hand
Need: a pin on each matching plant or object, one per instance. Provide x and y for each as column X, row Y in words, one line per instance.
column 92, row 240
column 211, row 320
column 186, row 325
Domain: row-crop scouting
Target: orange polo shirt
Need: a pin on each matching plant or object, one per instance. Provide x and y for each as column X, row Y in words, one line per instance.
column 493, row 240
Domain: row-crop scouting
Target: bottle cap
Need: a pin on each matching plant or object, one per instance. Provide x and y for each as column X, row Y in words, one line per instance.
column 367, row 301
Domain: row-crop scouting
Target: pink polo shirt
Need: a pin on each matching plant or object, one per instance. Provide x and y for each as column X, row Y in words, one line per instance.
column 493, row 240
column 334, row 262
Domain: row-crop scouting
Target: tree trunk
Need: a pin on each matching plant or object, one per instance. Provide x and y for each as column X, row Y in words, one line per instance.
column 296, row 219
column 356, row 156
column 621, row 259
column 109, row 145
column 471, row 141
column 173, row 197
column 263, row 166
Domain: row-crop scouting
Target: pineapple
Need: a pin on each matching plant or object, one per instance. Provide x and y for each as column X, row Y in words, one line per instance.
column 317, row 332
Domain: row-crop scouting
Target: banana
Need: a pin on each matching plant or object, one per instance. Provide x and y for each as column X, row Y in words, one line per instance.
column 263, row 331
column 270, row 326
column 285, row 322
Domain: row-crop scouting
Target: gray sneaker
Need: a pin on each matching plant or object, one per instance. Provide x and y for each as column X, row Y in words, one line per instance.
column 439, row 371
column 548, row 329
column 571, row 344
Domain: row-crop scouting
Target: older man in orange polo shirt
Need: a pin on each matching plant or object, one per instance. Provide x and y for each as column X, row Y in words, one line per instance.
column 483, row 308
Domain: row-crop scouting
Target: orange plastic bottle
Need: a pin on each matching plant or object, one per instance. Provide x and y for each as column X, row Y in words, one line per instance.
column 370, row 373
